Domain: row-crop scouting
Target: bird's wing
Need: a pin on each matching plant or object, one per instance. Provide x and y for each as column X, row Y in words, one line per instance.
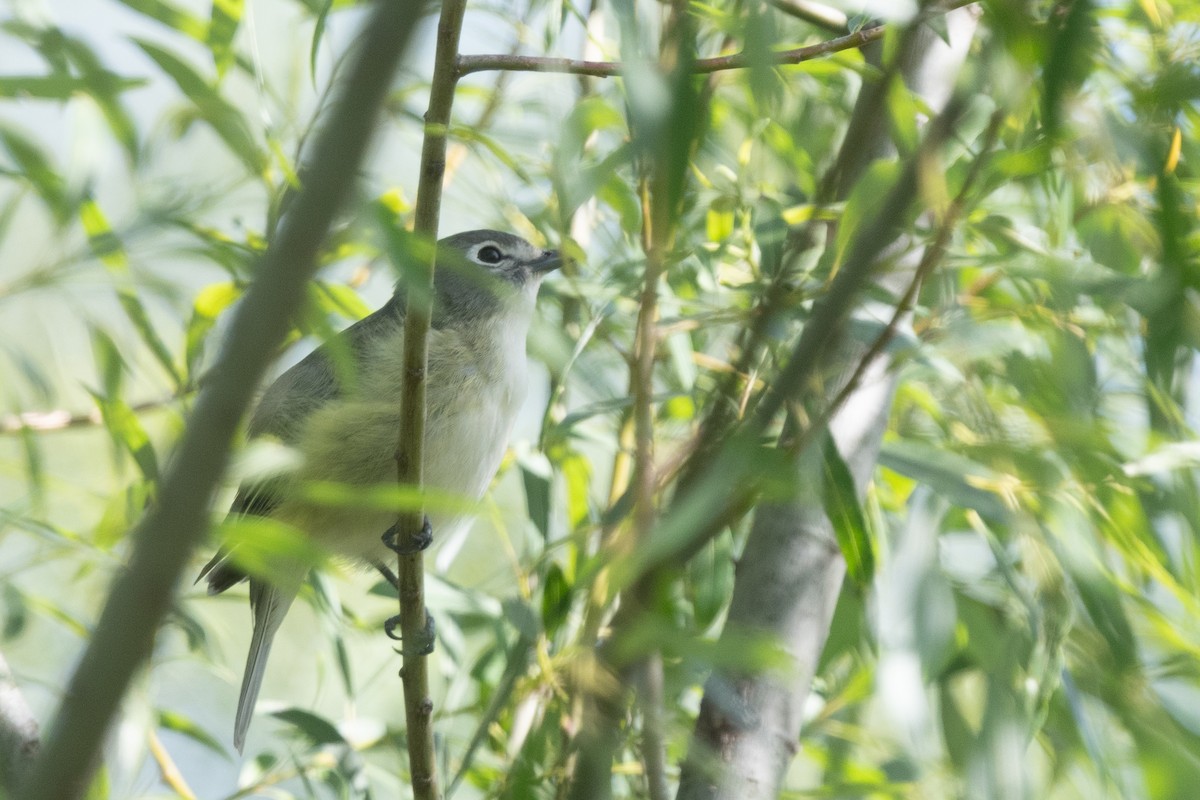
column 282, row 412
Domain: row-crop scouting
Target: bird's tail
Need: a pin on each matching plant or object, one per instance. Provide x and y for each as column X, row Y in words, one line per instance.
column 269, row 605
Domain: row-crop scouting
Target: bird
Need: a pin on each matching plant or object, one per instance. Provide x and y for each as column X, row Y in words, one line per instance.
column 346, row 430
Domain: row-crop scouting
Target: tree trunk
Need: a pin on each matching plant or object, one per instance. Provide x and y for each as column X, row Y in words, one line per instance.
column 791, row 570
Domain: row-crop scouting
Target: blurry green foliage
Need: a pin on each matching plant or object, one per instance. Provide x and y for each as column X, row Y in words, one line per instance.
column 1033, row 521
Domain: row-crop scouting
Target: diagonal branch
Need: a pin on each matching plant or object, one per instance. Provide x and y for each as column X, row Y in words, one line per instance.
column 164, row 540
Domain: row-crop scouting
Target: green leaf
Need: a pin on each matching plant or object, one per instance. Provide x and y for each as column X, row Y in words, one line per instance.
column 179, row 723
column 225, row 119
column 100, row 788
column 903, row 112
column 339, row 299
column 263, row 546
column 957, row 478
column 34, row 165
column 317, row 730
column 865, row 202
column 208, row 305
column 111, row 365
column 16, row 612
column 58, row 87
column 471, row 135
column 223, row 27
column 577, row 473
column 840, row 497
column 710, row 580
column 35, row 463
column 105, row 88
column 172, row 16
column 556, row 599
column 1070, row 58
column 127, row 432
column 318, row 35
column 536, row 477
column 1119, row 237
column 107, row 246
column 719, row 222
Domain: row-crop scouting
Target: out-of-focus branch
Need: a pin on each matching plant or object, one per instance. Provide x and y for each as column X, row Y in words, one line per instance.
column 701, row 66
column 414, row 620
column 164, row 540
column 791, row 569
column 662, row 176
column 609, row 69
column 19, row 734
column 62, row 419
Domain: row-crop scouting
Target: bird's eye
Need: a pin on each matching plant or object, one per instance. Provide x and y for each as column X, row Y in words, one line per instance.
column 489, row 255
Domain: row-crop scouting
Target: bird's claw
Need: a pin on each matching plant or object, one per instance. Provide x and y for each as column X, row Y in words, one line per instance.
column 424, row 639
column 416, row 541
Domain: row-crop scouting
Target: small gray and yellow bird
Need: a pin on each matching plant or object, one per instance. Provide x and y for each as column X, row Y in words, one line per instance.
column 485, row 286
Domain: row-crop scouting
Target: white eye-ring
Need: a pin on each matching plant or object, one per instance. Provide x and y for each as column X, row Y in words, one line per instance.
column 489, row 254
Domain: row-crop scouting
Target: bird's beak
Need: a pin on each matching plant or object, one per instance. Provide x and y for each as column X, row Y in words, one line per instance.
column 548, row 261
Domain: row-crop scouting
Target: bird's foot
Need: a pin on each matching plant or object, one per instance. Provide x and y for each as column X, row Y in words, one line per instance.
column 423, row 641
column 413, row 543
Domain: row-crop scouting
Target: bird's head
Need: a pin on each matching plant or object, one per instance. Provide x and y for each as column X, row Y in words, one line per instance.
column 484, row 274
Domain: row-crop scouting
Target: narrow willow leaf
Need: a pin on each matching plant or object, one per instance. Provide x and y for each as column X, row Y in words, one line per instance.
column 537, row 497
column 58, row 87
column 223, row 27
column 225, row 119
column 126, row 430
column 1070, row 59
column 35, row 463
column 556, row 599
column 107, row 246
column 473, row 136
column 185, row 726
column 957, row 478
column 172, row 16
column 208, row 305
column 318, row 34
column 104, row 88
column 340, row 300
column 845, row 513
column 33, row 164
column 865, row 202
column 16, row 612
column 317, row 730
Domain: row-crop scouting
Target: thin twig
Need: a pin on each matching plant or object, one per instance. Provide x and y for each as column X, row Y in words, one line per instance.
column 702, row 66
column 414, row 619
column 930, row 259
column 165, row 538
column 167, row 768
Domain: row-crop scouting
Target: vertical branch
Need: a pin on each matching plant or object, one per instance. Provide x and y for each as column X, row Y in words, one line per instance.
column 414, row 620
column 666, row 145
column 166, row 536
column 655, row 241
